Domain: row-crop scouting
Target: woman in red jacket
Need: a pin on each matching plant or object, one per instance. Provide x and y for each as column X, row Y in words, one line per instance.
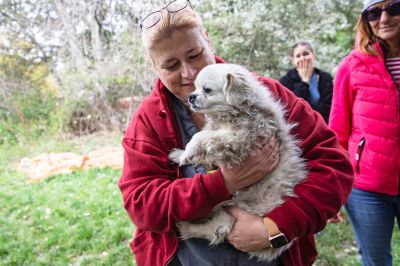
column 365, row 115
column 157, row 194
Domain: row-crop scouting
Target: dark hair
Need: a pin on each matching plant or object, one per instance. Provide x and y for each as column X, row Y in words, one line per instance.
column 303, row 43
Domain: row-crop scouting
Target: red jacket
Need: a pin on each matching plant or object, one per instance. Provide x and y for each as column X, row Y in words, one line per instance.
column 155, row 196
column 366, row 116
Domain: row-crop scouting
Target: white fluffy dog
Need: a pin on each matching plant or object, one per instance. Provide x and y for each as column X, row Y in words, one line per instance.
column 239, row 112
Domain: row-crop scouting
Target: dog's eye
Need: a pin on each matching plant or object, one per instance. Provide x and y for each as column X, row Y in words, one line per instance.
column 207, row 90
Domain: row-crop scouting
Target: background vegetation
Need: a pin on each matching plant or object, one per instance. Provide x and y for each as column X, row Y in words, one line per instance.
column 64, row 66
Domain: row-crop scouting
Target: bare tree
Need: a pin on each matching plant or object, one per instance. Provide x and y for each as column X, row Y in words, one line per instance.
column 93, row 47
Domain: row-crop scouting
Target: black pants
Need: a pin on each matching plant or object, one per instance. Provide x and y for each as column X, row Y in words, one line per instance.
column 197, row 252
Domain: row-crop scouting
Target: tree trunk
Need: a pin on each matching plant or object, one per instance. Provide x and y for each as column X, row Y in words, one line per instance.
column 78, row 58
column 95, row 30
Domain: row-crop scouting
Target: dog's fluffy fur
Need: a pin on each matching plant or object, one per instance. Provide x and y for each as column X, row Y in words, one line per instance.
column 240, row 111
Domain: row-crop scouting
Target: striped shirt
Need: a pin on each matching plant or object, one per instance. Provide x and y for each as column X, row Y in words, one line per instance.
column 393, row 65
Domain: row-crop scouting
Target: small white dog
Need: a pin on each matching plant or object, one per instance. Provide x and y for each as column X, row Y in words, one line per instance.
column 239, row 112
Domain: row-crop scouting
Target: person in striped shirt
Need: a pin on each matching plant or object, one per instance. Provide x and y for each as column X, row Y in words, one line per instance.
column 365, row 115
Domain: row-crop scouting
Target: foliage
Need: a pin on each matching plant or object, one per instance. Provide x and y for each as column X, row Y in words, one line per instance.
column 28, row 99
column 85, row 45
column 65, row 61
column 89, row 47
column 260, row 34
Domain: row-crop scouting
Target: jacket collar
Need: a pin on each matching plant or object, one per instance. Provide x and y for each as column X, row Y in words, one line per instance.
column 371, row 60
column 382, row 51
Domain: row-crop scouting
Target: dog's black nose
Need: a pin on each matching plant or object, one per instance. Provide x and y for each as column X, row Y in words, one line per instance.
column 192, row 98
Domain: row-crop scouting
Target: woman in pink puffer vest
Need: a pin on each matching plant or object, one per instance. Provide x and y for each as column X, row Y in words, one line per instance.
column 365, row 116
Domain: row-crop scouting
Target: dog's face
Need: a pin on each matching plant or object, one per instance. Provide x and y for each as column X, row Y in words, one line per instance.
column 220, row 87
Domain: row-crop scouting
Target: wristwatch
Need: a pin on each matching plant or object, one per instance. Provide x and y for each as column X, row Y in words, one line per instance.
column 276, row 237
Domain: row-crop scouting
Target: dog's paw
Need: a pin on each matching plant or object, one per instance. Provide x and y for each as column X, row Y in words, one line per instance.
column 175, row 155
column 188, row 157
column 186, row 230
column 220, row 234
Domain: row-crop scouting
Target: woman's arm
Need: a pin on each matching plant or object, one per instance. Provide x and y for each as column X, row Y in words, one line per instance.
column 152, row 196
column 155, row 199
column 340, row 119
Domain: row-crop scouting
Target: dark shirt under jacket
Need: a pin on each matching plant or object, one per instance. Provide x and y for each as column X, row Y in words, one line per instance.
column 293, row 82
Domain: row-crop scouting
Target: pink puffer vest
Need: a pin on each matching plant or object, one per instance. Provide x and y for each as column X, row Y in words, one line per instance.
column 365, row 115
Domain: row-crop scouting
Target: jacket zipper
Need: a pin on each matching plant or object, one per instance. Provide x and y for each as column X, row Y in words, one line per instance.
column 360, row 148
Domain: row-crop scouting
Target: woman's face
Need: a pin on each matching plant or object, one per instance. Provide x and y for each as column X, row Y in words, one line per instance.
column 179, row 58
column 302, row 53
column 387, row 27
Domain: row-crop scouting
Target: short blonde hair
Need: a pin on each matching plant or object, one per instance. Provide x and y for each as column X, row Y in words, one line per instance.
column 170, row 22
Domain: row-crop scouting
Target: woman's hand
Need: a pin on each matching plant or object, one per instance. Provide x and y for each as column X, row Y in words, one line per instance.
column 305, row 69
column 258, row 165
column 248, row 233
column 338, row 218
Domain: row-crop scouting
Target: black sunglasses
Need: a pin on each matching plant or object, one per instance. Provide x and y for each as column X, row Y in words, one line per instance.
column 393, row 9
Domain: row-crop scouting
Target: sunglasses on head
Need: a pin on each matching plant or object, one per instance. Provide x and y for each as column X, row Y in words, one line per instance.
column 375, row 13
column 172, row 7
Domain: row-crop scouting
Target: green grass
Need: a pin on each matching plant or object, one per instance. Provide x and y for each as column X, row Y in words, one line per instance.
column 78, row 219
column 68, row 219
column 74, row 219
column 336, row 246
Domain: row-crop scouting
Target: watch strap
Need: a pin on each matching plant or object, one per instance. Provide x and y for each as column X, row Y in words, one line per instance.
column 271, row 226
column 276, row 238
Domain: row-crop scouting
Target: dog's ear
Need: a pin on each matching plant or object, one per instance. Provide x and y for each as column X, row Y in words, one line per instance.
column 236, row 89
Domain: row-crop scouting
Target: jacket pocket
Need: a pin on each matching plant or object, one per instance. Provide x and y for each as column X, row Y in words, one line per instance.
column 359, row 151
